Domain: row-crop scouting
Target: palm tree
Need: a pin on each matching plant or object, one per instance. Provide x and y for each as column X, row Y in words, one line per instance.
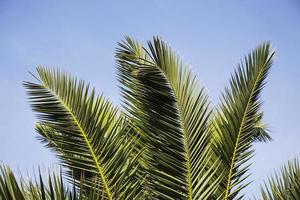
column 166, row 142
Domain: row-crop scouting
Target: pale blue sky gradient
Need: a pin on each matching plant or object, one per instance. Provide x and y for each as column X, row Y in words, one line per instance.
column 212, row 36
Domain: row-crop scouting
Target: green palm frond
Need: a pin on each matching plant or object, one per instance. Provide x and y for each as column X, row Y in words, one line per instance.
column 13, row 189
column 51, row 188
column 9, row 187
column 238, row 121
column 284, row 185
column 170, row 111
column 86, row 132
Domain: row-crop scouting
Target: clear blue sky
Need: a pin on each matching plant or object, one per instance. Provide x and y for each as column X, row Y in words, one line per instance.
column 212, row 36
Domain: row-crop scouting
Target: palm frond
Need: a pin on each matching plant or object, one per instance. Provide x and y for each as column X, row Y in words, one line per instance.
column 85, row 131
column 13, row 189
column 237, row 124
column 170, row 111
column 284, row 185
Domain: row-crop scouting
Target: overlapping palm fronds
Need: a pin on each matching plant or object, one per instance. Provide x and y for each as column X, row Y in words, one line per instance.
column 167, row 143
column 170, row 111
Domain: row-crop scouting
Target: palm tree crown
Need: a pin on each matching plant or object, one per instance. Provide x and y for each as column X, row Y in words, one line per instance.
column 166, row 142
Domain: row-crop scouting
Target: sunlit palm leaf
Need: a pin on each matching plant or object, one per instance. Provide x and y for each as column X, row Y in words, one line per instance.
column 238, row 119
column 85, row 131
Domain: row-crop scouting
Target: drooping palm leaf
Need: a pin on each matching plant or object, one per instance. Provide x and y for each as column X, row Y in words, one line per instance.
column 237, row 122
column 85, row 131
column 170, row 111
column 284, row 185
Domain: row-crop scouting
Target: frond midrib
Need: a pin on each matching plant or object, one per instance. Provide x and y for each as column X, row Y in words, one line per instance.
column 84, row 135
column 239, row 135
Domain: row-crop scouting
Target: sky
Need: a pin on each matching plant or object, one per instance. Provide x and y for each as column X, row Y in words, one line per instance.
column 212, row 36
